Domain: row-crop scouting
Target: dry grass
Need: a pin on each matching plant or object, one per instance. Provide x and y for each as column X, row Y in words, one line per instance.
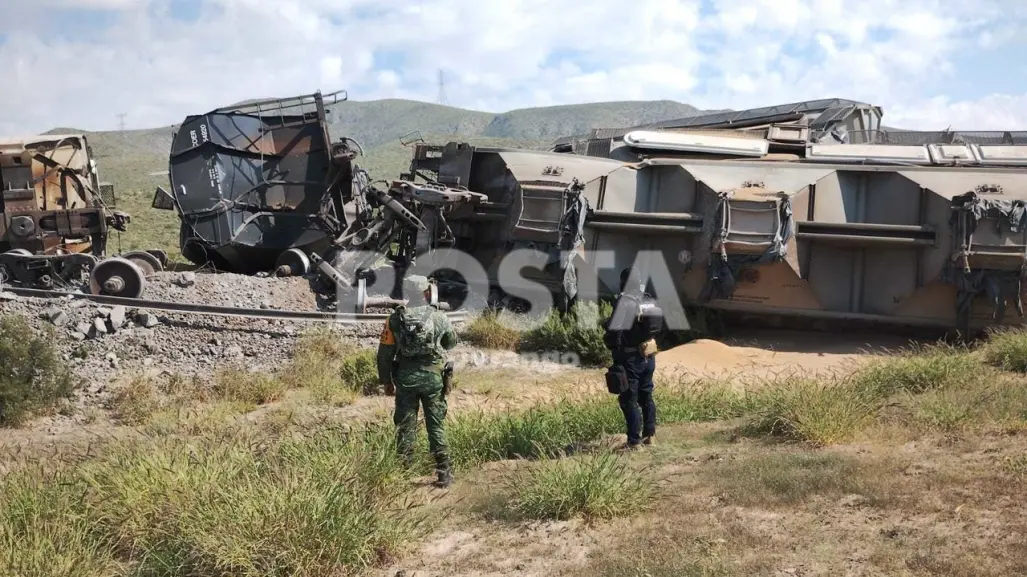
column 135, row 401
column 334, row 371
column 247, row 387
column 788, row 478
column 289, row 494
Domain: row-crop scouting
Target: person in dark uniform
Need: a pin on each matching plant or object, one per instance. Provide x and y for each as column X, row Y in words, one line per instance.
column 630, row 333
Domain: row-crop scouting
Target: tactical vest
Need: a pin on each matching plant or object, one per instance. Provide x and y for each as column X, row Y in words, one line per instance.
column 417, row 335
column 650, row 317
column 647, row 323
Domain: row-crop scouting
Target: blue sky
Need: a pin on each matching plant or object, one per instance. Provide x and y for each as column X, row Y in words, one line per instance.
column 929, row 63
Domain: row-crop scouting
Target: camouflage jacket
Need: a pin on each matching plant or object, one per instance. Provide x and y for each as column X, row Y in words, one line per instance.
column 393, row 365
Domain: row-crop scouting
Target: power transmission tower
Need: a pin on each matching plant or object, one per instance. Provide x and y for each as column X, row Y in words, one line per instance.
column 121, row 123
column 442, row 90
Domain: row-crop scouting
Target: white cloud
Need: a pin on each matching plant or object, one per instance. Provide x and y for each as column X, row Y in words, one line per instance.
column 913, row 57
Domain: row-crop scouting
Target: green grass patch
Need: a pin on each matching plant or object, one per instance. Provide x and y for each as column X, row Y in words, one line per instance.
column 34, row 380
column 359, row 371
column 548, row 430
column 580, row 331
column 835, row 410
column 326, row 504
column 815, row 412
column 1007, row 350
column 918, row 369
column 595, row 486
column 247, row 387
column 543, row 431
column 1016, row 467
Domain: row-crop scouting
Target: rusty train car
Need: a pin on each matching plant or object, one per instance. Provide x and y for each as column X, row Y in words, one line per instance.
column 809, row 210
column 51, row 196
column 57, row 218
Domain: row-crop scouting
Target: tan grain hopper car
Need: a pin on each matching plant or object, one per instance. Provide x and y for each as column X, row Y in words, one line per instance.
column 802, row 211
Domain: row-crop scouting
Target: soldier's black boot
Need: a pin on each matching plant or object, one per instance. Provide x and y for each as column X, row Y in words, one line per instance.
column 443, row 469
column 445, row 478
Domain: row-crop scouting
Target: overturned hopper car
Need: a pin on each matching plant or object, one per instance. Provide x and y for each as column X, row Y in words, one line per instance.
column 802, row 211
column 252, row 181
column 56, row 216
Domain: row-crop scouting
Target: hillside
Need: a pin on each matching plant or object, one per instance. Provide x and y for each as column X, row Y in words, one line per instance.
column 376, row 122
column 129, row 158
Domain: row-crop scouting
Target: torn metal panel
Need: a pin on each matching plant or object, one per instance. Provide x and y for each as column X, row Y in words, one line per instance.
column 50, row 196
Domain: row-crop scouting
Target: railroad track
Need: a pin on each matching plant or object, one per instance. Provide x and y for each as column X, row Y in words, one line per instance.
column 212, row 310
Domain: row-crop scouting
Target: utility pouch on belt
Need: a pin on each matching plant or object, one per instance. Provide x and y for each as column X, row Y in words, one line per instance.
column 447, row 377
column 616, row 379
column 648, row 348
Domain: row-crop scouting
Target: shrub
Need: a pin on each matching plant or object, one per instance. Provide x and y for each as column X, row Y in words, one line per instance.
column 33, row 377
column 488, row 332
column 580, row 331
column 598, row 486
column 359, row 371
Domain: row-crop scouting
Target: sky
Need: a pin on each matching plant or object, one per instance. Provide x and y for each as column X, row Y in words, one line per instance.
column 930, row 64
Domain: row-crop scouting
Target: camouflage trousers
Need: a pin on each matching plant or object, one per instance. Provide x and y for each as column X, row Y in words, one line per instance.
column 416, row 388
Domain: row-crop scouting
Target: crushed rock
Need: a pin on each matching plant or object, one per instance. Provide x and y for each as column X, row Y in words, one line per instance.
column 105, row 345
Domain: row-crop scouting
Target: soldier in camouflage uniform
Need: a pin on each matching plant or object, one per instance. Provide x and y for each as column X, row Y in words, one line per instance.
column 411, row 359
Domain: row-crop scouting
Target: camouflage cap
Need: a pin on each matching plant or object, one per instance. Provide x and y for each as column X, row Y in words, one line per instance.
column 418, row 282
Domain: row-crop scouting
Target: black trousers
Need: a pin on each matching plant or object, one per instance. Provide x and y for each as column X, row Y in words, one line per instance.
column 637, row 402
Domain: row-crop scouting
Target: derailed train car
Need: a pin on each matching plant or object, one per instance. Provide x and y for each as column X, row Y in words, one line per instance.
column 802, row 211
column 56, row 218
column 257, row 181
